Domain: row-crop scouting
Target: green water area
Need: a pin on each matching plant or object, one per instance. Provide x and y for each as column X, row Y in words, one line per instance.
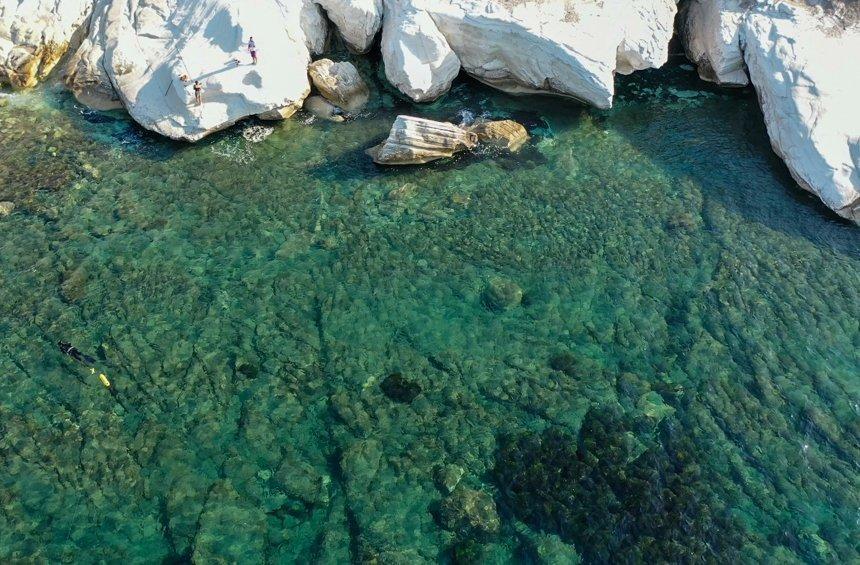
column 635, row 340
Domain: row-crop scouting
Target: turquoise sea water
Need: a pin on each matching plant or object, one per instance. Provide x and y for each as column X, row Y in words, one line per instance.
column 679, row 381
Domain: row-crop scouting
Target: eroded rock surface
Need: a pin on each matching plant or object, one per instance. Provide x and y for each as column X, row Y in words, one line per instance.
column 416, row 140
column 34, row 36
column 503, row 133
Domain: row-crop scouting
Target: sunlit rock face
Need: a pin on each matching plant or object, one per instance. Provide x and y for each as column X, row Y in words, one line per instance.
column 34, row 36
column 152, row 53
column 564, row 47
column 794, row 55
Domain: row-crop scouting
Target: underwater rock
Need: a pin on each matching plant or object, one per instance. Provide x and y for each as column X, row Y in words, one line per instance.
column 321, row 108
column 564, row 362
column 614, row 497
column 6, row 208
column 360, row 461
column 504, row 133
column 403, row 192
column 34, row 36
column 416, row 140
column 502, row 294
column 448, row 477
column 340, row 84
column 469, row 513
column 400, row 389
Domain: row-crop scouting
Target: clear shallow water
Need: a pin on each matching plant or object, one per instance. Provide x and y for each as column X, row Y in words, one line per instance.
column 248, row 299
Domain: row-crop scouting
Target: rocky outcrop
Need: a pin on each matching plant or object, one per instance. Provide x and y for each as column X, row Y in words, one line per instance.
column 415, row 141
column 563, row 47
column 145, row 49
column 795, row 57
column 34, row 36
column 340, row 84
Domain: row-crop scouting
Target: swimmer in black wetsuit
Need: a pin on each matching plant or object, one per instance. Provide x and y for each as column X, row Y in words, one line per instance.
column 74, row 353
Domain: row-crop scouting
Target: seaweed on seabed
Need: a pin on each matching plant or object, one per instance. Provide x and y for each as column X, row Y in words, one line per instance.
column 616, row 498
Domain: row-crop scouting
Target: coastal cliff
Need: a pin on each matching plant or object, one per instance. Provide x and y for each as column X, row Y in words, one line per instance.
column 135, row 55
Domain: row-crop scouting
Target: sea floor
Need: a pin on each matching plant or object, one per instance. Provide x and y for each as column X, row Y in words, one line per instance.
column 635, row 340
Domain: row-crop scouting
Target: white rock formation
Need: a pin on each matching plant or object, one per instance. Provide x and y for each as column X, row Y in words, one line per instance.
column 566, row 47
column 808, row 86
column 143, row 47
column 34, row 36
column 414, row 141
column 358, row 21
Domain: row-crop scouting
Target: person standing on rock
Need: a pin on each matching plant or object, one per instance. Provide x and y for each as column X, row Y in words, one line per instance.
column 252, row 49
column 198, row 92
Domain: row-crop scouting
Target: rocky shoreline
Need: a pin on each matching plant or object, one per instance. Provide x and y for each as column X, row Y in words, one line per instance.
column 133, row 55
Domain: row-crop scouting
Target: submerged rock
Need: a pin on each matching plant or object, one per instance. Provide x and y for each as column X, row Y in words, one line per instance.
column 448, row 477
column 469, row 512
column 416, row 140
column 501, row 294
column 807, row 88
column 504, row 133
column 399, row 388
column 6, row 208
column 340, row 84
column 321, row 108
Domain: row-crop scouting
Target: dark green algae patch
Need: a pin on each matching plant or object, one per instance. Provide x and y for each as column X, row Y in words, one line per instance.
column 636, row 340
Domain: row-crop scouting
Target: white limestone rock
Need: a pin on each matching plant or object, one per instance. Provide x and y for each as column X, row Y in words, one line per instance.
column 418, row 60
column 566, row 47
column 358, row 21
column 711, row 33
column 809, row 87
column 85, row 74
column 795, row 55
column 34, row 36
column 414, row 141
column 143, row 51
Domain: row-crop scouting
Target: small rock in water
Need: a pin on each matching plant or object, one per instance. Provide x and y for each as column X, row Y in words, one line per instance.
column 469, row 512
column 256, row 134
column 448, row 477
column 399, row 388
column 503, row 133
column 6, row 208
column 688, row 67
column 406, row 191
column 502, row 294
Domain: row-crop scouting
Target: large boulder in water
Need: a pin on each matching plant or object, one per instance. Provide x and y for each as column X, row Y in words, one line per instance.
column 416, row 140
column 795, row 56
column 34, row 36
column 340, row 84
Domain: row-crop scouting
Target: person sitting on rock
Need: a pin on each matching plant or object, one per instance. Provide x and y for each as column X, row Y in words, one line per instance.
column 198, row 92
column 252, row 48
